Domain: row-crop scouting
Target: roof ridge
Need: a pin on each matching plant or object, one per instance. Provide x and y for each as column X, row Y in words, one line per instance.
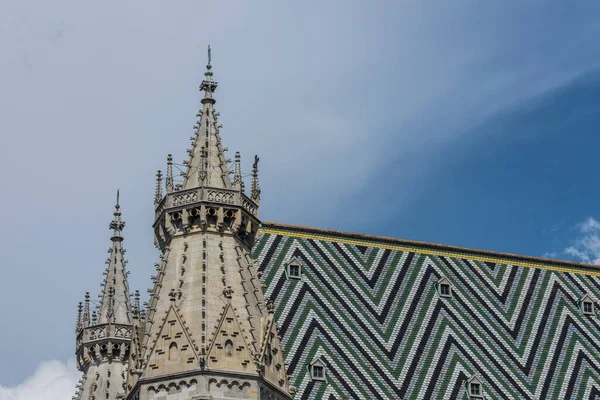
column 427, row 245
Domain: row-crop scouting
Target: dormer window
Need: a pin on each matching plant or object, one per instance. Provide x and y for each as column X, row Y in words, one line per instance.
column 317, row 370
column 444, row 288
column 294, row 269
column 587, row 305
column 475, row 388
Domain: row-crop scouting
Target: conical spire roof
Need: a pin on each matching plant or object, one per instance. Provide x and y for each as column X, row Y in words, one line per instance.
column 207, row 165
column 115, row 304
column 207, row 309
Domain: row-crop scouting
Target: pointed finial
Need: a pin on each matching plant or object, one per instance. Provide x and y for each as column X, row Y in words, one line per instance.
column 136, row 304
column 238, row 183
column 158, row 194
column 169, row 179
column 255, row 193
column 208, row 85
column 116, row 224
column 86, row 310
column 79, row 320
column 208, row 66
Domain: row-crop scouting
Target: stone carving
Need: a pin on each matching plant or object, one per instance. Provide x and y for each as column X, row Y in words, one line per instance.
column 221, row 197
column 185, row 198
column 230, row 387
column 174, row 385
column 251, row 208
column 97, row 333
column 123, row 332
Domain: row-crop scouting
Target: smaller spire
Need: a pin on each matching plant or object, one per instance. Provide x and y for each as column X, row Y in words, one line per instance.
column 136, row 304
column 158, row 194
column 79, row 325
column 255, row 193
column 86, row 310
column 169, row 179
column 238, row 183
column 94, row 317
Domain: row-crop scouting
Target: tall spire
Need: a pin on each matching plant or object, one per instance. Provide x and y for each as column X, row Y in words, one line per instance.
column 207, row 318
column 207, row 165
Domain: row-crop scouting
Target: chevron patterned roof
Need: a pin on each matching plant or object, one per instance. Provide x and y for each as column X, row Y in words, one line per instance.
column 370, row 309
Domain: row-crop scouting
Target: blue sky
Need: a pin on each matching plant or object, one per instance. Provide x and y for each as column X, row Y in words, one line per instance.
column 519, row 182
column 470, row 123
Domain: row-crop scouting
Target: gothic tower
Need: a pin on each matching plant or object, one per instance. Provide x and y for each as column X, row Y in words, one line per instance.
column 209, row 333
column 103, row 338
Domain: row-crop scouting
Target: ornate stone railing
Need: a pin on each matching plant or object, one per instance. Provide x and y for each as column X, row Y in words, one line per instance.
column 182, row 198
column 104, row 331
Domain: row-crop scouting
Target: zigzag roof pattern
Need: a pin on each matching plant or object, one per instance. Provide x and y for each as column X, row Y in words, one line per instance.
column 369, row 308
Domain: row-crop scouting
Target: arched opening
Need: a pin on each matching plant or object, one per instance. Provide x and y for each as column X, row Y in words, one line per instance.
column 228, row 348
column 173, row 352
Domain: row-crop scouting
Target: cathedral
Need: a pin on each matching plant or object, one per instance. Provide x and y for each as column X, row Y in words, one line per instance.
column 246, row 309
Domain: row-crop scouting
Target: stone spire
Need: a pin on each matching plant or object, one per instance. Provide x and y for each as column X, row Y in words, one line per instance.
column 255, row 193
column 207, row 165
column 79, row 325
column 169, row 180
column 238, row 182
column 102, row 346
column 209, row 333
column 115, row 303
column 158, row 194
column 86, row 311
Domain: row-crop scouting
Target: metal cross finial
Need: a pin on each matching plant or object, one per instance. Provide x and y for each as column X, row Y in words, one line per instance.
column 208, row 66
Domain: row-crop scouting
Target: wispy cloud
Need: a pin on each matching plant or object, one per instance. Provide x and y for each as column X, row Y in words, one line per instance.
column 53, row 380
column 586, row 246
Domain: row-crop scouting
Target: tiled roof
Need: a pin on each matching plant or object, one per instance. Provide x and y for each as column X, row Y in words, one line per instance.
column 370, row 309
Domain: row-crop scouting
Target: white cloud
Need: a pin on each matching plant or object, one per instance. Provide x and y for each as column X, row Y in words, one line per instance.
column 53, row 380
column 586, row 246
